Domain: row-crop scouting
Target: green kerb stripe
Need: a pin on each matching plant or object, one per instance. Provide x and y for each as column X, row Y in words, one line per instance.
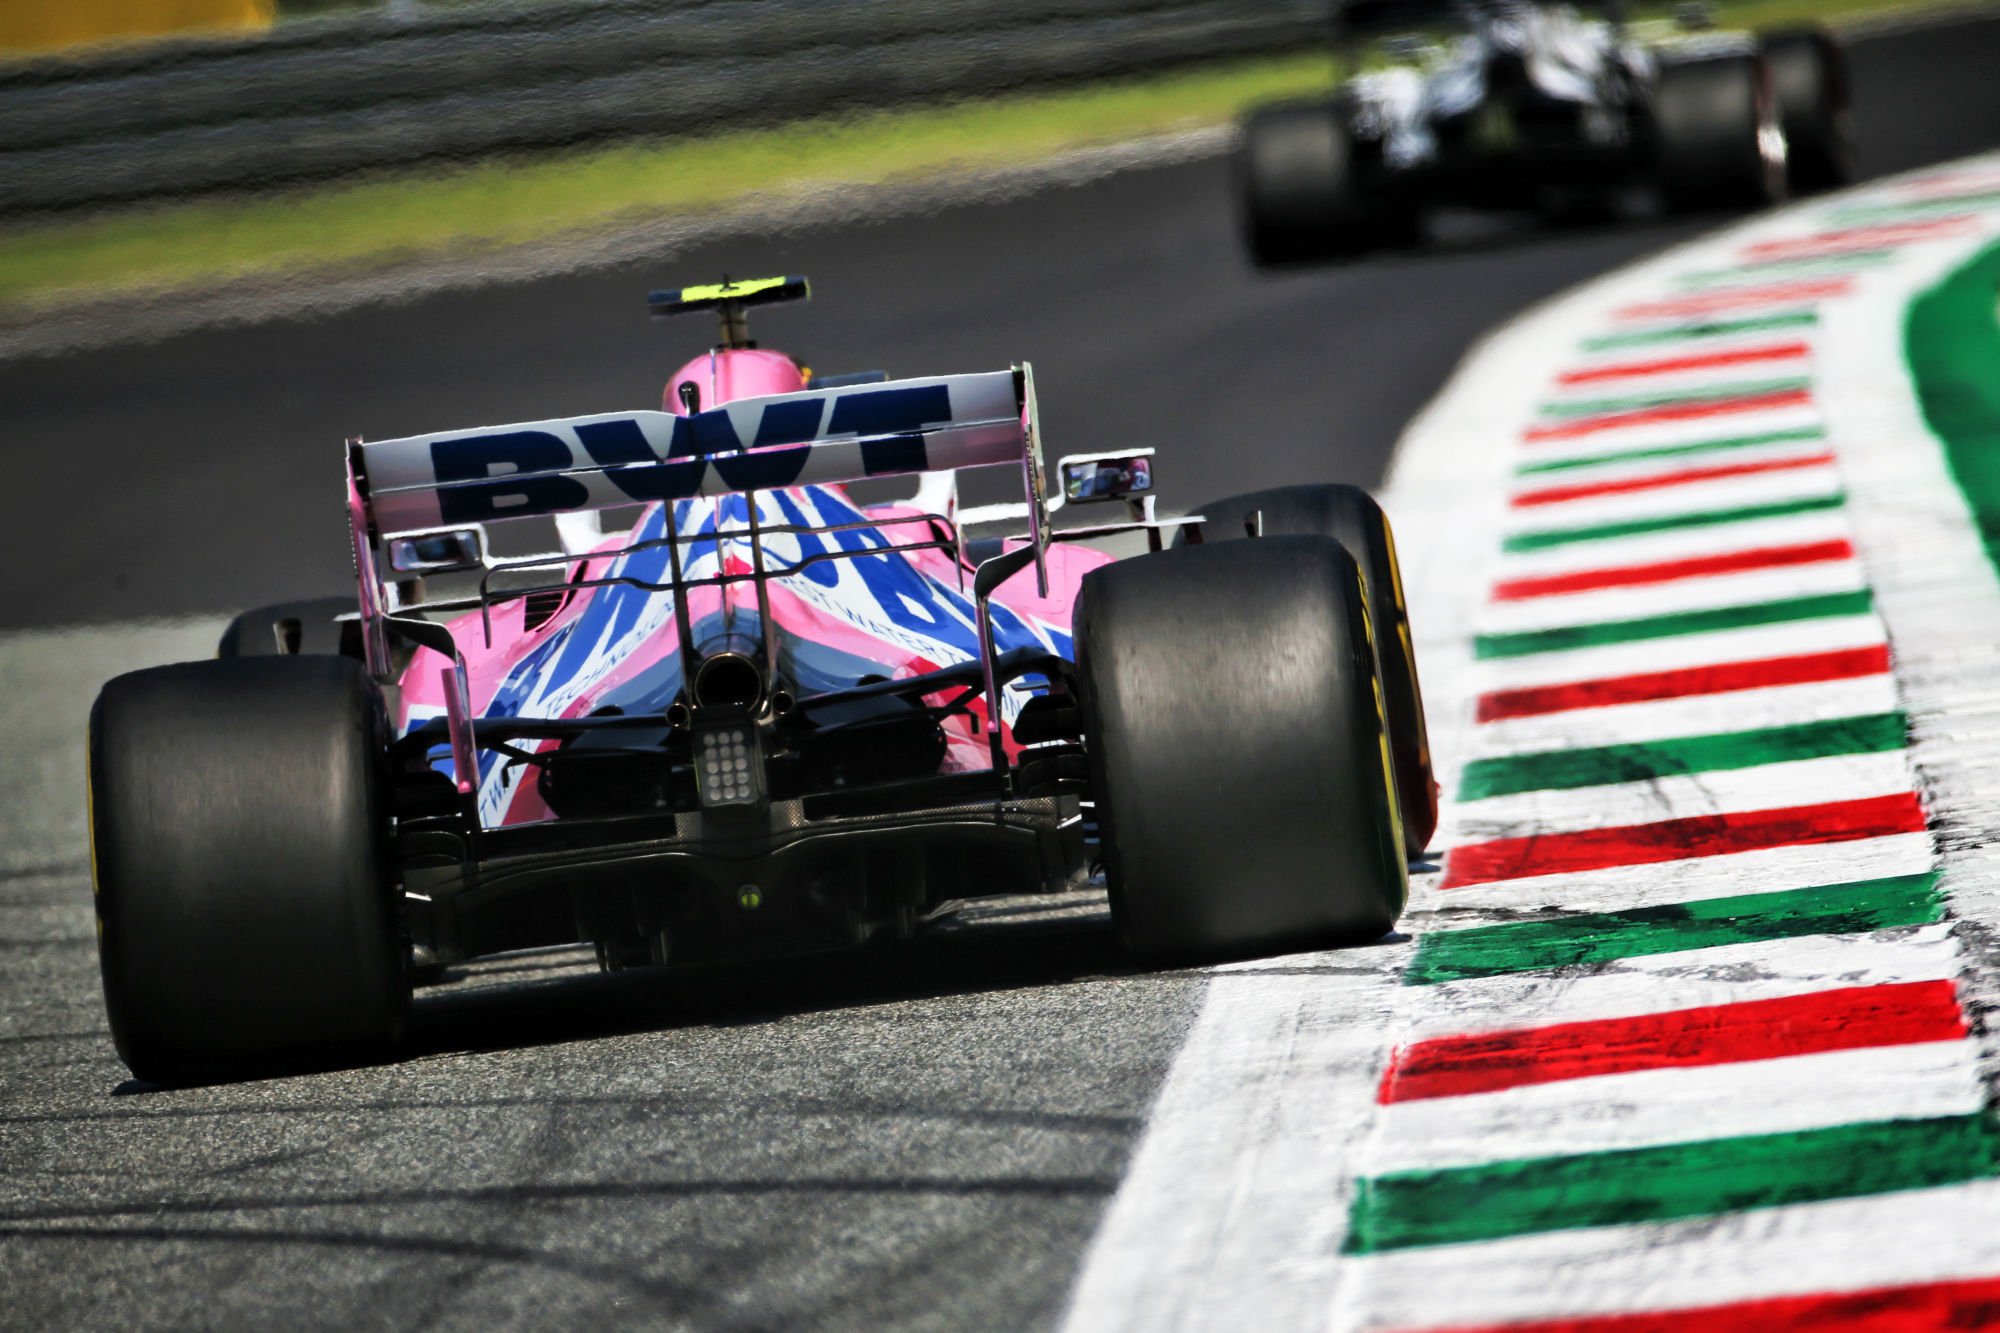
column 1659, row 1184
column 1674, row 450
column 1520, row 643
column 1712, row 328
column 1562, row 770
column 1601, row 937
column 1797, row 266
column 1596, row 407
column 1537, row 541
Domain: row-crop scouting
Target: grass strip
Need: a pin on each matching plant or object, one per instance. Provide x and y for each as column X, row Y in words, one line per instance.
column 1660, row 1184
column 1604, row 765
column 503, row 203
column 1712, row 923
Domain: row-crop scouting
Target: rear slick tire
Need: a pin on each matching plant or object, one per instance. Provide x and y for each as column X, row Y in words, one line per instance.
column 239, row 849
column 1299, row 194
column 1815, row 105
column 1350, row 515
column 1238, row 756
column 1719, row 139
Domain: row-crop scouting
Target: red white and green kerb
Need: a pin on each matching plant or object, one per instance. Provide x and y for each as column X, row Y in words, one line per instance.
column 1683, row 1034
column 1712, row 996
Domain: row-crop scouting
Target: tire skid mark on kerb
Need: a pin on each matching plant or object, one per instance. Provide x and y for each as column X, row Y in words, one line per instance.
column 1746, row 1182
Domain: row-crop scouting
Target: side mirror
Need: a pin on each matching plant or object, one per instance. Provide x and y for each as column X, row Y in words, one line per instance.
column 1094, row 478
column 438, row 552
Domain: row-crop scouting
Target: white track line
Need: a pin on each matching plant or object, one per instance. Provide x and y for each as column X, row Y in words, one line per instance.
column 1665, row 719
column 1657, row 1106
column 1768, row 870
column 1795, row 782
column 1662, row 982
column 1676, row 651
column 1841, row 1245
column 1640, row 601
column 1675, row 544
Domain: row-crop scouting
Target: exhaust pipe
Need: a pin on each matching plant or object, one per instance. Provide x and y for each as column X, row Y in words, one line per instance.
column 728, row 680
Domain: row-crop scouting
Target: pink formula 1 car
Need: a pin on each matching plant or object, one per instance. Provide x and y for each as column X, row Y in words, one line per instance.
column 728, row 709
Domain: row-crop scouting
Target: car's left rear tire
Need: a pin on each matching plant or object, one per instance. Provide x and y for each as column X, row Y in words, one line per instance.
column 1238, row 756
column 240, row 849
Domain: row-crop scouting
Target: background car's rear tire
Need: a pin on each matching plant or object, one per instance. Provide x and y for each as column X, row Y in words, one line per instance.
column 1350, row 515
column 1301, row 196
column 239, row 845
column 293, row 628
column 1815, row 105
column 1238, row 758
column 1719, row 139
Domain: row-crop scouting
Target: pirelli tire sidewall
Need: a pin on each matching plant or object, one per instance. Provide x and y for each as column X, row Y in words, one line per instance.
column 239, row 854
column 1350, row 515
column 1238, row 757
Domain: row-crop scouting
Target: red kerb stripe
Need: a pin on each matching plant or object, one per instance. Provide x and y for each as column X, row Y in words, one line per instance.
column 1738, row 298
column 1928, row 1308
column 1710, row 407
column 1848, row 1019
column 1550, row 495
column 1723, row 678
column 1707, row 361
column 1857, row 238
column 1667, row 571
column 1682, row 839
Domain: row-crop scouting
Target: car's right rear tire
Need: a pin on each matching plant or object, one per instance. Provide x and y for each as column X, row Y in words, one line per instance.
column 239, row 849
column 1351, row 516
column 1238, row 751
column 1301, row 196
column 1720, row 143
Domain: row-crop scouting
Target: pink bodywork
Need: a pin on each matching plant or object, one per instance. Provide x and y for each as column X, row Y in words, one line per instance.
column 840, row 618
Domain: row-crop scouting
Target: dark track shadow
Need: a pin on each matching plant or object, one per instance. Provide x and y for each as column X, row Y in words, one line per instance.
column 997, row 957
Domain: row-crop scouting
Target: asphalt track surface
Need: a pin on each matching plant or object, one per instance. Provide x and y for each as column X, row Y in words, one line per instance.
column 920, row 1139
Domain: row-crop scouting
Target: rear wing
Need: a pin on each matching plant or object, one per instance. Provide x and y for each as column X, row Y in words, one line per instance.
column 815, row 437
column 420, row 504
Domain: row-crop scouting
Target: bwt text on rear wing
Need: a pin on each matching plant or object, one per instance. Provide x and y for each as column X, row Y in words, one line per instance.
column 421, row 506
